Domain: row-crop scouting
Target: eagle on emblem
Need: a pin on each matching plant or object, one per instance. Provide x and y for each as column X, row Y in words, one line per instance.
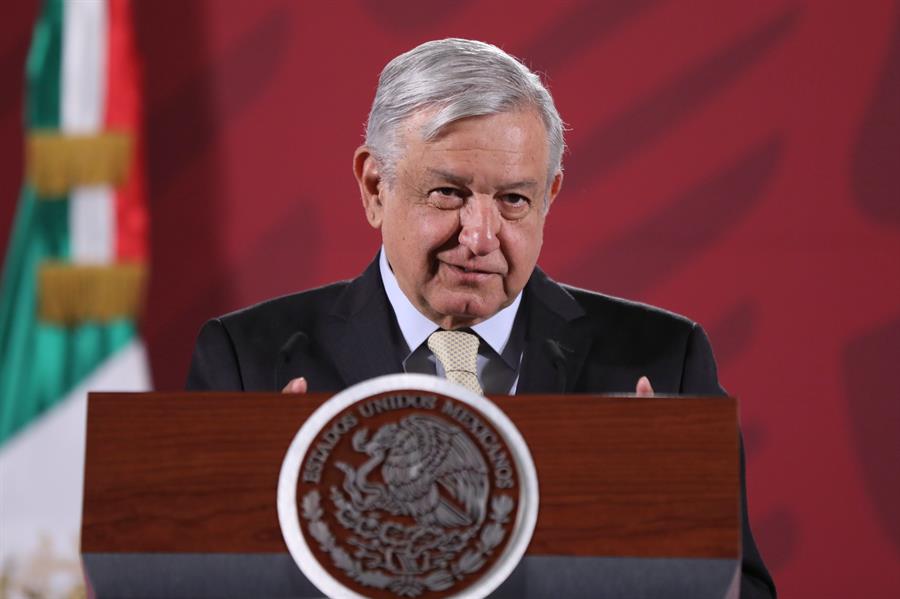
column 431, row 471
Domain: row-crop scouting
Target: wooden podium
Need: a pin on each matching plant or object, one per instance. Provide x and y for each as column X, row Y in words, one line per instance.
column 639, row 497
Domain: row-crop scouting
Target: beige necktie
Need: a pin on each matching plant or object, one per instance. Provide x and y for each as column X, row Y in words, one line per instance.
column 458, row 353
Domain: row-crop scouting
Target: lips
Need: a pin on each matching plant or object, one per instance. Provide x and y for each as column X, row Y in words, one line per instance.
column 473, row 270
column 470, row 273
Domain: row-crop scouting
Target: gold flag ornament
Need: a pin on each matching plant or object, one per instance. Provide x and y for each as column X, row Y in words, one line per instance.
column 56, row 163
column 77, row 293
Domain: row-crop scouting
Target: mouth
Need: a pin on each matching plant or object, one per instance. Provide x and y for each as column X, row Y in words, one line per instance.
column 468, row 274
column 467, row 269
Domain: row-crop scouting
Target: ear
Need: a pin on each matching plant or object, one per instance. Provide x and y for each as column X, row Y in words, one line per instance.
column 368, row 176
column 555, row 186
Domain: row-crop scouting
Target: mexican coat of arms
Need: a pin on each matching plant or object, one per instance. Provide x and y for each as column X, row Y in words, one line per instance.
column 407, row 492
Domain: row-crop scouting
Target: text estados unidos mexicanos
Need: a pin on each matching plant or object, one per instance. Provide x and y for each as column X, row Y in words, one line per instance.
column 318, row 455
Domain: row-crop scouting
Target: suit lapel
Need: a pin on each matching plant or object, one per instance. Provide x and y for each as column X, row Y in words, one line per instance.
column 364, row 338
column 357, row 340
column 555, row 345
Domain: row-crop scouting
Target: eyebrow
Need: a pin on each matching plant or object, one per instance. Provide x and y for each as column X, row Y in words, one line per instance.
column 451, row 177
column 466, row 181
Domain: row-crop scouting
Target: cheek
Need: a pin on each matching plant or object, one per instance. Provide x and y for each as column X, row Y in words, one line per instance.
column 417, row 235
column 522, row 248
column 429, row 230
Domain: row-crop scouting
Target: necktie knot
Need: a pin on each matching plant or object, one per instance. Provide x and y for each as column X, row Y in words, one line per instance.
column 458, row 354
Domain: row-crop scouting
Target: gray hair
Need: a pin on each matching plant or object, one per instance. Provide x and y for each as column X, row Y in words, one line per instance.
column 461, row 78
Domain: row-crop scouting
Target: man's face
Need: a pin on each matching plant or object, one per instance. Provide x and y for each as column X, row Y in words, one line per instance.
column 462, row 223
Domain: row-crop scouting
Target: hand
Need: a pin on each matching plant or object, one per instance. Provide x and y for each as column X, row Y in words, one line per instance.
column 299, row 385
column 643, row 388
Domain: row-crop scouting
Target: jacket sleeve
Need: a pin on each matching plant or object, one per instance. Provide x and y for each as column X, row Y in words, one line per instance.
column 700, row 377
column 214, row 365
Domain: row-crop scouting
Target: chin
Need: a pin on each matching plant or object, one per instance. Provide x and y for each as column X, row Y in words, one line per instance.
column 467, row 310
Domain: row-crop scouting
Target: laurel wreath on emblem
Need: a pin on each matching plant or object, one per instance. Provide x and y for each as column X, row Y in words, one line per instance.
column 434, row 475
column 410, row 586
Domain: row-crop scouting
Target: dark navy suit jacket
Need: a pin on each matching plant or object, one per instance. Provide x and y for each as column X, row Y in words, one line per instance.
column 576, row 341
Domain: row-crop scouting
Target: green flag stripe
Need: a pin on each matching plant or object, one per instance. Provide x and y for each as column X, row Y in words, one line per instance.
column 43, row 69
column 40, row 363
column 39, row 229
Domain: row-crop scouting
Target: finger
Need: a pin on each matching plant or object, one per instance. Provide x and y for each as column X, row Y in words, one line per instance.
column 298, row 385
column 644, row 389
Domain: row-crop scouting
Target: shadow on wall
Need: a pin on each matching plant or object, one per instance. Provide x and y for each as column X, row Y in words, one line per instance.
column 870, row 360
column 192, row 96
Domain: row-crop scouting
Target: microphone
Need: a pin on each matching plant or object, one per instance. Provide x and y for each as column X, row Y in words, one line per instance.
column 297, row 341
column 558, row 357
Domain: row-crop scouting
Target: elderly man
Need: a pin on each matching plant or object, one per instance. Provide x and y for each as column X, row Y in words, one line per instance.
column 461, row 164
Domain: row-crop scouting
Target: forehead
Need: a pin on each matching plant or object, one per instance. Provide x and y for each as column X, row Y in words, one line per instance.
column 508, row 141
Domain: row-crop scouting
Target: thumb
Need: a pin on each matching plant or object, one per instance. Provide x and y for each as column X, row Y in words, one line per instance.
column 298, row 385
column 644, row 389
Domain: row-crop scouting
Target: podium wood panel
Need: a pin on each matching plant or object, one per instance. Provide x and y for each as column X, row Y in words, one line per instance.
column 619, row 476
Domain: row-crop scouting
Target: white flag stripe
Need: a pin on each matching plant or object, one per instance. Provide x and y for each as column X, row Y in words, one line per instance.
column 82, row 105
column 92, row 214
column 42, row 467
column 83, row 85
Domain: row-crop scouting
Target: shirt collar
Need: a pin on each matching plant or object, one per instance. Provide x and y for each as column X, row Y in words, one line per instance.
column 416, row 327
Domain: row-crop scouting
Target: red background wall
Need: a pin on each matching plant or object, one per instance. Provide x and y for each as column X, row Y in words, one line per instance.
column 735, row 162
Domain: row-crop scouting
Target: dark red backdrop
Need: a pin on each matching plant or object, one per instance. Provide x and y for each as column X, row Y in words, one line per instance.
column 736, row 162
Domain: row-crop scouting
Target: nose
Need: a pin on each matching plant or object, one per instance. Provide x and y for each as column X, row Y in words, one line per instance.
column 479, row 220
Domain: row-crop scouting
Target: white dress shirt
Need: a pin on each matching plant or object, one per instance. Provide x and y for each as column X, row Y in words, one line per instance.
column 498, row 357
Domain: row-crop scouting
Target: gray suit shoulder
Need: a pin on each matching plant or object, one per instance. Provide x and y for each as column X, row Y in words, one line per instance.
column 292, row 310
column 240, row 350
column 609, row 308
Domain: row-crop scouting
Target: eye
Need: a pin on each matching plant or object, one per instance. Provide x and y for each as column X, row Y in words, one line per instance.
column 514, row 199
column 447, row 197
column 514, row 204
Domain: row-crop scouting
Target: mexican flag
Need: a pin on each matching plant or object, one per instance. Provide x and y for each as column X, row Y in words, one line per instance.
column 72, row 283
